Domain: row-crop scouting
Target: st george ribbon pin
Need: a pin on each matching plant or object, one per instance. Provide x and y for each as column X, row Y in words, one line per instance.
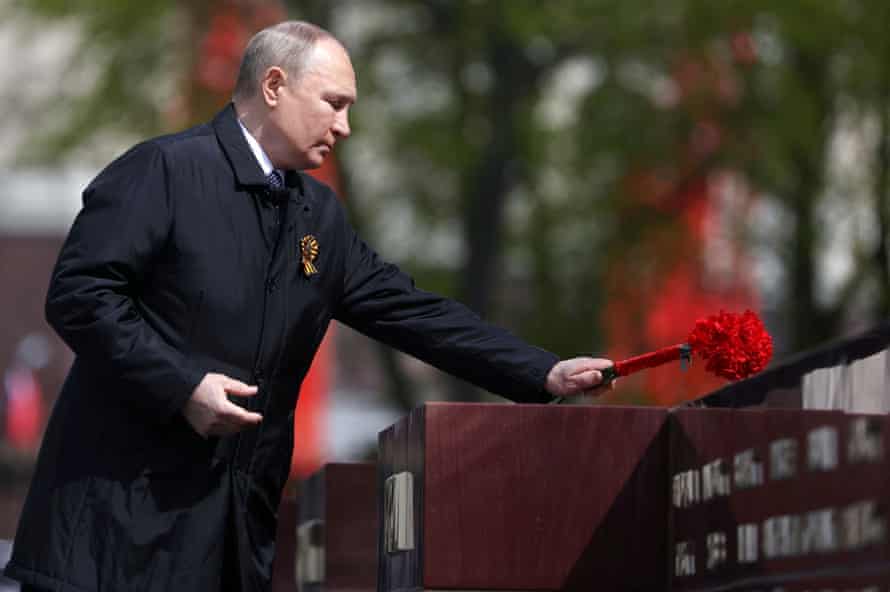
column 308, row 254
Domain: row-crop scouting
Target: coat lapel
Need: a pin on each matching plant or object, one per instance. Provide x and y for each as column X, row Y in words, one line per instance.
column 231, row 138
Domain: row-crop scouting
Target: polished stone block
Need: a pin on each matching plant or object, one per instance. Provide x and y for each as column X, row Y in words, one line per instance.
column 774, row 499
column 337, row 529
column 523, row 497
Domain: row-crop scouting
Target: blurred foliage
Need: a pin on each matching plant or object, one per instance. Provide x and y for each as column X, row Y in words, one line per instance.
column 126, row 47
column 533, row 166
column 520, row 126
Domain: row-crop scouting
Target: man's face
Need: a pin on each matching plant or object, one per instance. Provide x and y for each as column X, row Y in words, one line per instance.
column 311, row 114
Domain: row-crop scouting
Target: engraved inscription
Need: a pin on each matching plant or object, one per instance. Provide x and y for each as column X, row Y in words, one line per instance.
column 715, row 479
column 716, row 547
column 781, row 536
column 748, row 469
column 862, row 524
column 747, row 543
column 684, row 559
column 819, row 532
column 866, row 442
column 795, row 469
column 783, row 458
column 310, row 563
column 822, row 449
column 686, row 489
column 398, row 512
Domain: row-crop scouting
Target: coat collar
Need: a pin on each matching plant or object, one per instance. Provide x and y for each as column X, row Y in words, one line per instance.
column 247, row 169
column 244, row 163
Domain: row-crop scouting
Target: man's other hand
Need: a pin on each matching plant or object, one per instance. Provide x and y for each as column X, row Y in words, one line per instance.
column 577, row 376
column 211, row 413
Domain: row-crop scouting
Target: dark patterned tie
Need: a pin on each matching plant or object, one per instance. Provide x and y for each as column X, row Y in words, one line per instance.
column 276, row 183
column 277, row 193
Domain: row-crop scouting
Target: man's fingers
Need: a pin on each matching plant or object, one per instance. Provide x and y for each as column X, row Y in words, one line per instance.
column 573, row 366
column 238, row 388
column 587, row 379
column 233, row 420
column 234, row 414
column 581, row 365
column 249, row 418
column 211, row 413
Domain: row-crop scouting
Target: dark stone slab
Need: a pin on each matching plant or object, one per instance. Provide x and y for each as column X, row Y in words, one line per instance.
column 283, row 575
column 777, row 499
column 338, row 514
column 528, row 497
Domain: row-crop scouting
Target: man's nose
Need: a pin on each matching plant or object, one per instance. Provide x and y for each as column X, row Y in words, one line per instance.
column 341, row 124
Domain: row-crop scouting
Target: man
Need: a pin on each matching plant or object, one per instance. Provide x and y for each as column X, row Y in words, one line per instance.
column 194, row 288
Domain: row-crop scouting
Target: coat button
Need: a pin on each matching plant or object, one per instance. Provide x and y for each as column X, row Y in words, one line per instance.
column 271, row 286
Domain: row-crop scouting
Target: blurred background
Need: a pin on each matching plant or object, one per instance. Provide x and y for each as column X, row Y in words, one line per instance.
column 594, row 175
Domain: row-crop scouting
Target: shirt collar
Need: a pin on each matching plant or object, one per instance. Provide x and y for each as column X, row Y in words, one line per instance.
column 245, row 164
column 261, row 157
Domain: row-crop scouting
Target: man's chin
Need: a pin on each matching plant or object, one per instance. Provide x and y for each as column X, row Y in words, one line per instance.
column 310, row 163
column 316, row 159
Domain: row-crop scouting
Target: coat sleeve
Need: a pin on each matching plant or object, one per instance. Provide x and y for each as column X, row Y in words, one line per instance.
column 382, row 302
column 92, row 300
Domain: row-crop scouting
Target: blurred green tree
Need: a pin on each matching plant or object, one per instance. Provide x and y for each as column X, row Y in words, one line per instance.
column 150, row 67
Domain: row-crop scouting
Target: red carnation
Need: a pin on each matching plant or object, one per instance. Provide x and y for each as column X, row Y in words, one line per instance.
column 735, row 346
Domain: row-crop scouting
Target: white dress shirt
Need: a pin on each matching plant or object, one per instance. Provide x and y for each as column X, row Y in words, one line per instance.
column 261, row 157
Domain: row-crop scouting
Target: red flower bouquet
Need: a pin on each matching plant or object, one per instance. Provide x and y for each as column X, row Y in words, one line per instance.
column 734, row 346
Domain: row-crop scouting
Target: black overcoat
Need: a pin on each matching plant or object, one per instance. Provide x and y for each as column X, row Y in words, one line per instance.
column 167, row 275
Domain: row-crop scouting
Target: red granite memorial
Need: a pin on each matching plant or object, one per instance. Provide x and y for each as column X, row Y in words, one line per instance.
column 337, row 529
column 523, row 497
column 777, row 499
column 283, row 575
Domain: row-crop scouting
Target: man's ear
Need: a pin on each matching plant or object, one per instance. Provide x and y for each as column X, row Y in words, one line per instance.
column 272, row 82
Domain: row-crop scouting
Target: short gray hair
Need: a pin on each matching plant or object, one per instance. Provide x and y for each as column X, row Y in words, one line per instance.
column 286, row 45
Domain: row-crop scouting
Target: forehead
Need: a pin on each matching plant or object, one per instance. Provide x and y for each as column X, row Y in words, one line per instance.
column 329, row 65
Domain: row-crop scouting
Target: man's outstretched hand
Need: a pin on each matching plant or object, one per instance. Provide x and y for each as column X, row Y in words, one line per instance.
column 577, row 376
column 210, row 412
